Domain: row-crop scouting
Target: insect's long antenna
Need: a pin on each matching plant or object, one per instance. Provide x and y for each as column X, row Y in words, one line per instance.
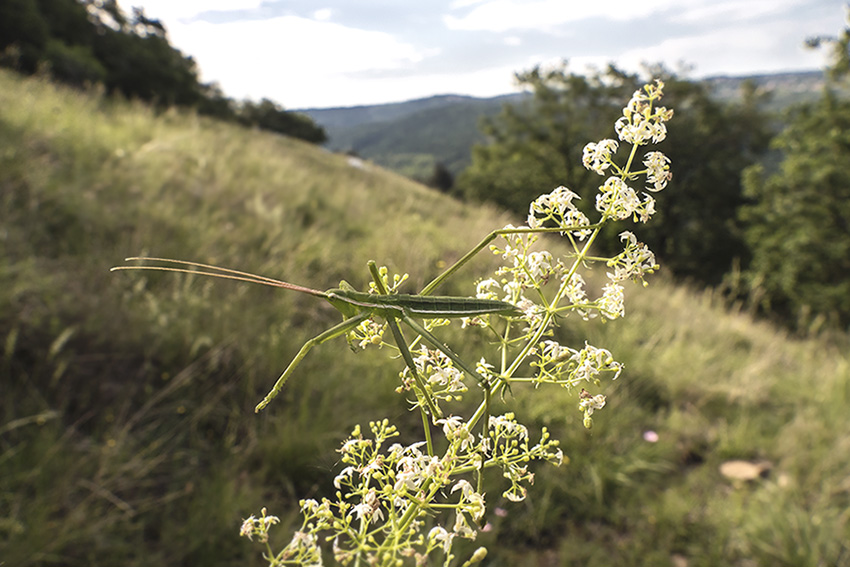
column 215, row 272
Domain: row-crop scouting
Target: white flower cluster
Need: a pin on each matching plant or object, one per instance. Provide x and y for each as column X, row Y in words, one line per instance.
column 596, row 156
column 612, row 303
column 641, row 123
column 387, row 493
column 657, row 170
column 562, row 365
column 368, row 333
column 508, row 443
column 559, row 208
column 616, row 200
column 588, row 404
column 641, row 120
column 442, row 379
column 634, row 262
column 402, row 483
column 383, row 273
column 259, row 527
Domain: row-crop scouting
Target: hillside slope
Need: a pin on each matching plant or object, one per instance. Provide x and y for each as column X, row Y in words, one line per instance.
column 127, row 430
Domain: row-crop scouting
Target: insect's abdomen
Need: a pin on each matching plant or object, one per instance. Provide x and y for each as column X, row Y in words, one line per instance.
column 420, row 306
column 433, row 307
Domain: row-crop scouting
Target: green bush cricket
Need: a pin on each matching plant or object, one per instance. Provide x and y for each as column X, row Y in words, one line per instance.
column 358, row 306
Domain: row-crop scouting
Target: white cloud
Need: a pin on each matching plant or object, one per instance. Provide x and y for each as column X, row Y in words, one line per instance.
column 464, row 3
column 323, row 14
column 171, row 10
column 295, row 61
column 725, row 11
column 762, row 49
column 315, row 60
column 545, row 15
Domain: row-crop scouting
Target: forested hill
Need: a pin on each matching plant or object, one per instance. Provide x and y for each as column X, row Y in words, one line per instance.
column 411, row 137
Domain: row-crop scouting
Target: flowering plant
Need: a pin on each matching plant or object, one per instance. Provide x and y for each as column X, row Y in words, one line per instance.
column 399, row 503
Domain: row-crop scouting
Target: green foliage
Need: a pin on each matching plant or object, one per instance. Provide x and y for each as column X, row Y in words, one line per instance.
column 540, row 144
column 444, row 128
column 798, row 218
column 74, row 64
column 441, row 179
column 23, row 30
column 419, row 167
column 127, row 435
column 267, row 115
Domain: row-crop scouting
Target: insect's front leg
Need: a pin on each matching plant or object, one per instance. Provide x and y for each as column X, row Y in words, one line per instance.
column 331, row 333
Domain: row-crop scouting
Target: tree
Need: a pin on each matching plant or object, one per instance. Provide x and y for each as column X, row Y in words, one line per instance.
column 536, row 145
column 696, row 232
column 441, row 178
column 798, row 219
column 139, row 60
column 23, row 35
column 268, row 115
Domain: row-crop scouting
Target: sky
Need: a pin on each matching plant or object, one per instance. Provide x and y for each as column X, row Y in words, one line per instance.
column 336, row 53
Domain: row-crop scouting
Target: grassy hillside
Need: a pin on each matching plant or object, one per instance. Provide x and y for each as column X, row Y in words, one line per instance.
column 127, row 431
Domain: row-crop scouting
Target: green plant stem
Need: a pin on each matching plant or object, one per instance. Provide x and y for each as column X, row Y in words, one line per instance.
column 487, row 240
column 533, row 341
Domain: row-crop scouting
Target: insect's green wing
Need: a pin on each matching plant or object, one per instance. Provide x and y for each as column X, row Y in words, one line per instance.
column 450, row 307
column 419, row 306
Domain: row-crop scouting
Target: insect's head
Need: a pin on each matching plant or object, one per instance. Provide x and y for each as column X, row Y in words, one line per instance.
column 339, row 299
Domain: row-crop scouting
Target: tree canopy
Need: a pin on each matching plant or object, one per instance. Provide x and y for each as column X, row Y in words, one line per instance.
column 798, row 217
column 538, row 146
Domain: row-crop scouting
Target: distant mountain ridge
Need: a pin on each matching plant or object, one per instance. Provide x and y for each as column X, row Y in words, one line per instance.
column 412, row 137
column 350, row 116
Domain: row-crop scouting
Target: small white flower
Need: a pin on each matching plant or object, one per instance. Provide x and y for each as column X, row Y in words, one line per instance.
column 485, row 289
column 616, row 199
column 612, row 301
column 575, row 289
column 597, row 156
column 344, row 474
column 438, row 535
column 589, row 404
column 369, row 508
column 539, row 264
column 512, row 290
column 247, row 529
column 658, row 170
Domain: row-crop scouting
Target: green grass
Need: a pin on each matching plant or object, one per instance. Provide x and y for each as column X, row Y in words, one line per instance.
column 127, row 435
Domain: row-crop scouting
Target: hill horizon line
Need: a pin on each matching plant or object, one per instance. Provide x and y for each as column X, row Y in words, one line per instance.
column 450, row 97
